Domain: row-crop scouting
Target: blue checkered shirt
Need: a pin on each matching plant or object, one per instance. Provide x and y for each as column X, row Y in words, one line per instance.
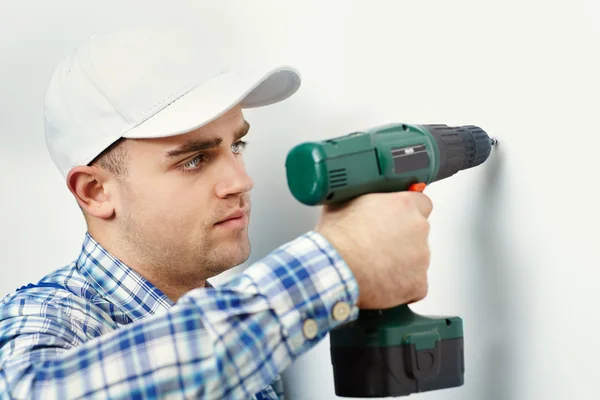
column 97, row 329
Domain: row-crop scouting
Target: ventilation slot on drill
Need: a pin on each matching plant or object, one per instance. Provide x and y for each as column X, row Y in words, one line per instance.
column 337, row 178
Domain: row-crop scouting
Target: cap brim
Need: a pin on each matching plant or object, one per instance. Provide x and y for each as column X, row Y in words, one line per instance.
column 213, row 98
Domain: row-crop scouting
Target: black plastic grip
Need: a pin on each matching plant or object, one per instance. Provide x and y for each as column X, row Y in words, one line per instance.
column 451, row 147
column 460, row 147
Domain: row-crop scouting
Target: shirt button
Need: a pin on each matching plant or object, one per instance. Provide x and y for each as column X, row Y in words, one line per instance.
column 341, row 311
column 310, row 328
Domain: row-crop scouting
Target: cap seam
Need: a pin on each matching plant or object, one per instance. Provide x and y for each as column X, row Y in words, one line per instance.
column 115, row 101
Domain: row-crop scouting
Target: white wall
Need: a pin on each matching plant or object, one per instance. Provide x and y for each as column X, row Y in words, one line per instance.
column 514, row 241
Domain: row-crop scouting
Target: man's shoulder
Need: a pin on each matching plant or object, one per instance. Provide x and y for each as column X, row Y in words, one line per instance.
column 60, row 282
column 64, row 297
column 64, row 288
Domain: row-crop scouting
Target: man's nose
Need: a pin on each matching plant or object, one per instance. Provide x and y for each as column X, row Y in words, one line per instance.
column 233, row 179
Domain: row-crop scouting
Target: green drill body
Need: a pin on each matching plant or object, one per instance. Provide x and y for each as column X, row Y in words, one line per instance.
column 392, row 352
column 341, row 168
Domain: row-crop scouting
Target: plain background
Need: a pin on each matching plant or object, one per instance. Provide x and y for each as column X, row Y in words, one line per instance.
column 514, row 242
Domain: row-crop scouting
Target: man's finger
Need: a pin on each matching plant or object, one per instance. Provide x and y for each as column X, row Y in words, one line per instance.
column 424, row 204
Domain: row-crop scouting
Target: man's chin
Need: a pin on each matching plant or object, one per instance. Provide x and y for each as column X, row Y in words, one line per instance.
column 236, row 255
column 227, row 265
column 243, row 256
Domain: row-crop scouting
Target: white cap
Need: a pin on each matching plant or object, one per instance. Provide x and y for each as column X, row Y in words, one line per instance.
column 148, row 83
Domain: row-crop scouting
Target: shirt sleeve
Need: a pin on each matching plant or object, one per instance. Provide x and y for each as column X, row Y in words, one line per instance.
column 225, row 342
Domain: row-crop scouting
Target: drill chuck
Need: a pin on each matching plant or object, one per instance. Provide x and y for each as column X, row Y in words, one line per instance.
column 460, row 148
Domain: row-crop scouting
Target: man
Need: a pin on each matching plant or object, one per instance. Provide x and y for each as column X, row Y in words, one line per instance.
column 147, row 128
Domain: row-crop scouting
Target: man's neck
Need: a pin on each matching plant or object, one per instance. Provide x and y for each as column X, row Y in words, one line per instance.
column 173, row 286
column 172, row 289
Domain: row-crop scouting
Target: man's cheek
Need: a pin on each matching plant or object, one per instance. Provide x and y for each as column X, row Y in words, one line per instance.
column 151, row 206
column 178, row 209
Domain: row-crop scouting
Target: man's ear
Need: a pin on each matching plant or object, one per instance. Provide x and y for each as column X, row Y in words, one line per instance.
column 89, row 186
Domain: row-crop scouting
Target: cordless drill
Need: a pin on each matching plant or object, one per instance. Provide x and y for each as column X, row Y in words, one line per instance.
column 390, row 352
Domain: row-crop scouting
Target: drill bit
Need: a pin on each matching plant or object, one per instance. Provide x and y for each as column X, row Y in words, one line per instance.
column 494, row 141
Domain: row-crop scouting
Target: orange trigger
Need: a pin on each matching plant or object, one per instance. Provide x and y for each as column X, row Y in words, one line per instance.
column 417, row 187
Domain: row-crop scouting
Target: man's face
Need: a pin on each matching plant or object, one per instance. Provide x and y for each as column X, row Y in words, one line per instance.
column 177, row 193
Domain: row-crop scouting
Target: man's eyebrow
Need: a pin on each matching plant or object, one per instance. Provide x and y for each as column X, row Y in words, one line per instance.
column 192, row 146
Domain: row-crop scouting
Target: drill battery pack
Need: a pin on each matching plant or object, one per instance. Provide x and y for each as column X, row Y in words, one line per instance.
column 395, row 352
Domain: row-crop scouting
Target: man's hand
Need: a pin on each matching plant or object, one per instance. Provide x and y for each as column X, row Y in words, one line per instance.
column 383, row 237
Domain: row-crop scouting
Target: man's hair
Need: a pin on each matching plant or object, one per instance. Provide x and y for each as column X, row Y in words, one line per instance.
column 113, row 158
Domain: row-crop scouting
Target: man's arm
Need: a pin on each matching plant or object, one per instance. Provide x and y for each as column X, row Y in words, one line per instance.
column 225, row 342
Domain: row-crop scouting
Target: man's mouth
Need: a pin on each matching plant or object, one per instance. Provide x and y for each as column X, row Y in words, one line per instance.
column 235, row 218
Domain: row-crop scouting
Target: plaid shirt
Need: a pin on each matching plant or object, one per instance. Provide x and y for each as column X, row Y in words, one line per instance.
column 97, row 329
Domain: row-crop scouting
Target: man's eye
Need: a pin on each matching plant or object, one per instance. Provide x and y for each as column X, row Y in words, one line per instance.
column 193, row 163
column 239, row 146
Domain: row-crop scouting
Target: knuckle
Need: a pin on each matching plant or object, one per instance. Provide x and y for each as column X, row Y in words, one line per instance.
column 422, row 290
column 423, row 226
column 429, row 202
column 426, row 257
column 423, row 259
column 425, row 204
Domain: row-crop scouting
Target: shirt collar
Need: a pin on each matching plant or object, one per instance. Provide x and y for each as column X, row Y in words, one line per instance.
column 119, row 284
